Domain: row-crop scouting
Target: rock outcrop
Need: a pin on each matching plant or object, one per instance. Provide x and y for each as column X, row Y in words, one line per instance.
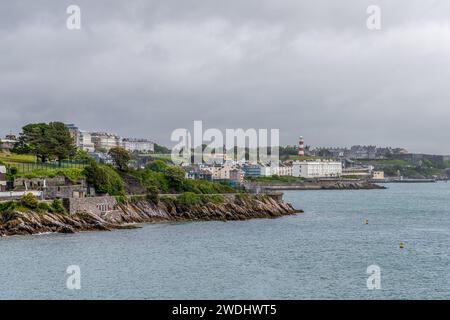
column 142, row 211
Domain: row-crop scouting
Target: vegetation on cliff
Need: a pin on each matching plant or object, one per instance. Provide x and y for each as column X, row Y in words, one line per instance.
column 73, row 174
column 423, row 169
column 29, row 202
column 164, row 178
column 104, row 179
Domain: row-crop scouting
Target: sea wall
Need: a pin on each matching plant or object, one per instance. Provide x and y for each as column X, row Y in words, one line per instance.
column 96, row 205
column 105, row 213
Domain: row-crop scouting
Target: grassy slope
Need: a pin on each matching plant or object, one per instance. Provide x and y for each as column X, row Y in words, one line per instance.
column 11, row 158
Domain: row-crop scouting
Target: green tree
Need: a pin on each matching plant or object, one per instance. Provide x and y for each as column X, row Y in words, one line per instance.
column 121, row 157
column 161, row 149
column 46, row 141
column 61, row 142
column 157, row 166
column 152, row 194
column 32, row 140
column 82, row 156
column 104, row 179
column 176, row 177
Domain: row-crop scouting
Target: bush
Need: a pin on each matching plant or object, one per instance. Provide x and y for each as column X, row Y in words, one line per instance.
column 175, row 177
column 105, row 179
column 8, row 206
column 206, row 187
column 44, row 207
column 149, row 179
column 152, row 194
column 57, row 206
column 157, row 166
column 121, row 199
column 213, row 198
column 189, row 199
column 11, row 173
column 29, row 201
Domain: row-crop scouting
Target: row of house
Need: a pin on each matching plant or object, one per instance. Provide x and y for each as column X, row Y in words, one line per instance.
column 358, row 152
column 236, row 172
column 8, row 142
column 103, row 141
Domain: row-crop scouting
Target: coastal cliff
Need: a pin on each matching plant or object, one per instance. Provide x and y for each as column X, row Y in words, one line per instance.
column 140, row 210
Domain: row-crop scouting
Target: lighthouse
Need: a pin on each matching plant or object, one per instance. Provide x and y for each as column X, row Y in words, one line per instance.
column 301, row 147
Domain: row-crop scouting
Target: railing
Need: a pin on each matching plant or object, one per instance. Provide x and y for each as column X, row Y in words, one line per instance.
column 30, row 166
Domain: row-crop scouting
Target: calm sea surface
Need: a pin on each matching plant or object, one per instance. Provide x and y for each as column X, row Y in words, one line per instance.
column 320, row 254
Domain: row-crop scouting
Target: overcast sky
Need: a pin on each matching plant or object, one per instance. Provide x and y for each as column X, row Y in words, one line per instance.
column 312, row 68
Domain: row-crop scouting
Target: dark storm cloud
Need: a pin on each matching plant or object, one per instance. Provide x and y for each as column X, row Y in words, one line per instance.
column 144, row 68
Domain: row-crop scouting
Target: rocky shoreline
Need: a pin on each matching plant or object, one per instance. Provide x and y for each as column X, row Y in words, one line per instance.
column 142, row 211
column 319, row 185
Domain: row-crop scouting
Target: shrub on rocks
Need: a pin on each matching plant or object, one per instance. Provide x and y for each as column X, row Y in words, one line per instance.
column 29, row 201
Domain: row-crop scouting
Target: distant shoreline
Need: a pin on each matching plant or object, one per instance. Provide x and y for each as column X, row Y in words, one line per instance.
column 336, row 184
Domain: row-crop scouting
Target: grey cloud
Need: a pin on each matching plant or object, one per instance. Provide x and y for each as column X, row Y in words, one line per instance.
column 144, row 68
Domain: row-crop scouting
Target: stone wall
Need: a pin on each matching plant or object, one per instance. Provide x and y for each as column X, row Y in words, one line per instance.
column 95, row 205
column 22, row 183
column 73, row 191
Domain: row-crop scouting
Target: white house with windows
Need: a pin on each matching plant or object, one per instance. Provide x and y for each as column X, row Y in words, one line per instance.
column 138, row 145
column 105, row 140
column 317, row 169
column 85, row 141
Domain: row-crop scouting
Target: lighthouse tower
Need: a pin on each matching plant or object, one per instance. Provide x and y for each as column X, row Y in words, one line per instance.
column 301, row 147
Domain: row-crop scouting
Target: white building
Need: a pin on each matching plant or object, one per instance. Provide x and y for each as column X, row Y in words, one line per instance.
column 266, row 171
column 316, row 169
column 138, row 145
column 105, row 140
column 84, row 141
column 378, row 175
column 281, row 170
column 275, row 169
column 8, row 142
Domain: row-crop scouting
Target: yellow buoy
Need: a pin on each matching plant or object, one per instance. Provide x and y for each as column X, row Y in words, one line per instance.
column 402, row 245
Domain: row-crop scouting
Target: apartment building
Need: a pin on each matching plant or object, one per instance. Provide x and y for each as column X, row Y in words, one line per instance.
column 105, row 140
column 138, row 145
column 317, row 169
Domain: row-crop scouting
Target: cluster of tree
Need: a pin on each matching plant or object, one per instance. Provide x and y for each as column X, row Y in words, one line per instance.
column 104, row 179
column 46, row 141
column 160, row 177
column 121, row 157
column 161, row 149
column 288, row 151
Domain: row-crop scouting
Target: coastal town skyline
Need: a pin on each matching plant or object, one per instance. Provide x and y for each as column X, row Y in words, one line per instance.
column 5, row 133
